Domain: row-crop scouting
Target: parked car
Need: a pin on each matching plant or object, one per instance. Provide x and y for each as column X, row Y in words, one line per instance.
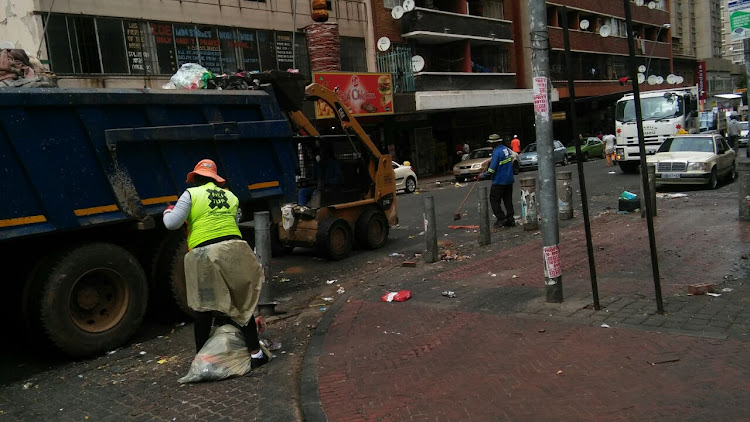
column 694, row 159
column 529, row 159
column 477, row 160
column 590, row 147
column 744, row 134
column 406, row 178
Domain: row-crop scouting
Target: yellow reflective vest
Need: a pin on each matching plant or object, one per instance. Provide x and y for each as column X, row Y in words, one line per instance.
column 212, row 214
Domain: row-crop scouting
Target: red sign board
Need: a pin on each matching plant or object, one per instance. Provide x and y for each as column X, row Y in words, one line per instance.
column 364, row 94
column 700, row 77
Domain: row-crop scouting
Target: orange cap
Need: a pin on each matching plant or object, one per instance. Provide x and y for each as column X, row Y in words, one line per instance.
column 206, row 168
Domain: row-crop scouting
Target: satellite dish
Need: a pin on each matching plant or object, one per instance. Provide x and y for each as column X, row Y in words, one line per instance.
column 639, row 2
column 605, row 31
column 7, row 45
column 409, row 5
column 641, row 78
column 642, row 69
column 671, row 78
column 384, row 44
column 584, row 24
column 679, row 80
column 397, row 12
column 659, row 80
column 417, row 63
column 652, row 5
column 652, row 80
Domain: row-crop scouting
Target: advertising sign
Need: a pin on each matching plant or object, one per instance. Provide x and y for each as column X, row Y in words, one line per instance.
column 739, row 19
column 364, row 94
column 700, row 77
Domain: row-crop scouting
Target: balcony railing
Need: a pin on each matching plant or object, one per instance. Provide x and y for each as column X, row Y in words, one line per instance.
column 449, row 81
column 591, row 42
column 436, row 27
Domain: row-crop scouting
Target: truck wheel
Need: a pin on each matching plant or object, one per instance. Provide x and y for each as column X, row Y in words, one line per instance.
column 372, row 229
column 334, row 238
column 168, row 276
column 94, row 299
column 628, row 167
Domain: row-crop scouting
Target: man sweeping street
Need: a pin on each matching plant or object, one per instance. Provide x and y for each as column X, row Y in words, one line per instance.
column 501, row 172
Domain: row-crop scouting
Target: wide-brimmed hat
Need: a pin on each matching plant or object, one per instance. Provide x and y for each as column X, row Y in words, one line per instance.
column 205, row 168
column 494, row 138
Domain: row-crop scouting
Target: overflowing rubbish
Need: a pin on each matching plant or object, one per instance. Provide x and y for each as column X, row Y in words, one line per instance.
column 190, row 76
column 448, row 293
column 20, row 70
column 224, row 355
column 399, row 296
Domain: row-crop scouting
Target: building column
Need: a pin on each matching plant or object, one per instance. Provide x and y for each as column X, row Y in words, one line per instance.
column 467, row 57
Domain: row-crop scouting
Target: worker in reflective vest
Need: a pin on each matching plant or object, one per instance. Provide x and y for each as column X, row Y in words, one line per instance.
column 501, row 192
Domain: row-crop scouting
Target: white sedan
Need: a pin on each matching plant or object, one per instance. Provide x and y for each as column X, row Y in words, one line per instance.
column 694, row 159
column 406, row 179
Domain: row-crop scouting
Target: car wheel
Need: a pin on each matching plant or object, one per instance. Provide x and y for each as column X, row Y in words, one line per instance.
column 713, row 180
column 410, row 185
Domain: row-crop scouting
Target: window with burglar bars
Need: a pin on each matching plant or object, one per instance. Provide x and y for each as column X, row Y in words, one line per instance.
column 398, row 63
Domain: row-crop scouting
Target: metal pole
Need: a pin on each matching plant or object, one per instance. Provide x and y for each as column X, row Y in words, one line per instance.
column 547, row 188
column 743, row 181
column 564, row 195
column 528, row 203
column 430, row 231
column 651, row 174
column 262, row 225
column 294, row 34
column 484, row 217
column 572, row 116
column 642, row 150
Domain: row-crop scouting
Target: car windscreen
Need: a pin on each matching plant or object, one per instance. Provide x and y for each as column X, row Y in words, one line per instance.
column 530, row 148
column 481, row 153
column 652, row 108
column 688, row 143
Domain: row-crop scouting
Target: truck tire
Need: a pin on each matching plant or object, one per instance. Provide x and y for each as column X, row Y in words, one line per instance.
column 93, row 300
column 628, row 167
column 334, row 239
column 372, row 229
column 168, row 276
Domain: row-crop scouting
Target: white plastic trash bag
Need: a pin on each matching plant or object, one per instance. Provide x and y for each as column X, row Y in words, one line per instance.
column 224, row 355
column 287, row 216
column 189, row 76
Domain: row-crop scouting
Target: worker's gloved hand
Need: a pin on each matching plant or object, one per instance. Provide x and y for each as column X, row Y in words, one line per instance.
column 168, row 209
column 484, row 176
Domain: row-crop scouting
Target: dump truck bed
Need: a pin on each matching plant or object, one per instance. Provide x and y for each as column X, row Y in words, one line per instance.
column 74, row 158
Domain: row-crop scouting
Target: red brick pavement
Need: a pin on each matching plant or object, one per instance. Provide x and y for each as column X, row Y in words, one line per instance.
column 689, row 250
column 417, row 362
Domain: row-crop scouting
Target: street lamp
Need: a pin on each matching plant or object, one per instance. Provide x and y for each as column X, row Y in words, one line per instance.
column 648, row 64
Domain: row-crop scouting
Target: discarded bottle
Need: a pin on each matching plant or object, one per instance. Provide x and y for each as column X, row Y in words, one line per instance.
column 628, row 195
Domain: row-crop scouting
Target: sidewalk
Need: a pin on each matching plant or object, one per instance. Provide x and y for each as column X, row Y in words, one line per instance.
column 498, row 351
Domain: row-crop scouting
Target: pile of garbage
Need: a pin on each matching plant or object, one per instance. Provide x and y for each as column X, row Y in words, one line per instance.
column 195, row 76
column 19, row 70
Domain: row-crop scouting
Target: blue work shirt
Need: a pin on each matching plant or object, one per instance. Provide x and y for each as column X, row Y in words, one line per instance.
column 501, row 166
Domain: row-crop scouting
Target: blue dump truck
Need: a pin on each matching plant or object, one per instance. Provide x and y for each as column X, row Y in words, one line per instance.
column 87, row 173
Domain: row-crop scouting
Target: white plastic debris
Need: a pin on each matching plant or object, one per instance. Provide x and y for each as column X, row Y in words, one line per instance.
column 449, row 293
column 331, row 281
column 396, row 254
column 726, row 289
column 714, row 294
column 341, row 291
column 605, row 326
column 328, row 299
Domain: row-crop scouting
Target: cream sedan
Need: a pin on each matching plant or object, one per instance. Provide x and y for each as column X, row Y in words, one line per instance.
column 694, row 159
column 476, row 163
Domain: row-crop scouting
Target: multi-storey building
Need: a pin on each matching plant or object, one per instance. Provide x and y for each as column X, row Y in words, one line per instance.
column 110, row 43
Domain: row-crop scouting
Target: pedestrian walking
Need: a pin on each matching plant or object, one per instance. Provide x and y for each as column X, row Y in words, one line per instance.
column 515, row 144
column 609, row 149
column 734, row 131
column 222, row 274
column 501, row 172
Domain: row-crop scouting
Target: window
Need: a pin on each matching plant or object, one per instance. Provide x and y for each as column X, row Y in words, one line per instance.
column 390, row 4
column 111, row 35
column 353, row 55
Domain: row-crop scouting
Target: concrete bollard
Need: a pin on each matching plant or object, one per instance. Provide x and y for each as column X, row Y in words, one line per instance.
column 528, row 203
column 565, row 195
column 484, row 216
column 262, row 224
column 651, row 168
column 743, row 181
column 430, row 231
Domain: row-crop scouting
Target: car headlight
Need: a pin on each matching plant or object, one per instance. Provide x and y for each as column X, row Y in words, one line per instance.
column 534, row 158
column 476, row 166
column 697, row 166
column 455, row 168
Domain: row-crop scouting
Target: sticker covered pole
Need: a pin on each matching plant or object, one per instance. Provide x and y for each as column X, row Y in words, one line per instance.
column 547, row 183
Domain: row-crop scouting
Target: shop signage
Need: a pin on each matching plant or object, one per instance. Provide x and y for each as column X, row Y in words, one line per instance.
column 700, row 77
column 739, row 19
column 364, row 94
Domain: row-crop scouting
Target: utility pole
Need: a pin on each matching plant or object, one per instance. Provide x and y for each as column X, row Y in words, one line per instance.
column 746, row 55
column 547, row 181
